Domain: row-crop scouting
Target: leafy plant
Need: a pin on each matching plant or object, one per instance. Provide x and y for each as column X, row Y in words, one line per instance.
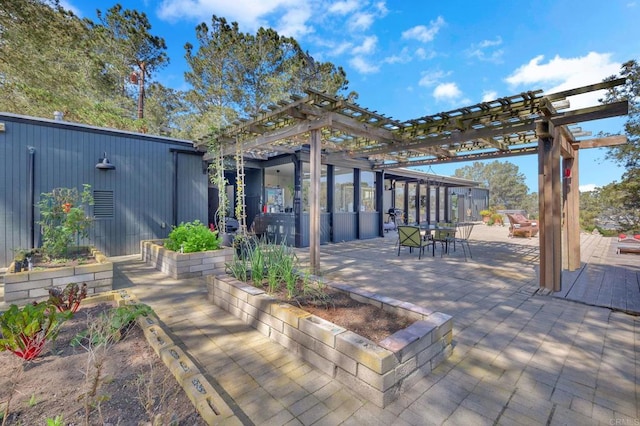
column 63, row 219
column 57, row 421
column 192, row 237
column 111, row 326
column 25, row 331
column 237, row 268
column 257, row 260
column 68, row 299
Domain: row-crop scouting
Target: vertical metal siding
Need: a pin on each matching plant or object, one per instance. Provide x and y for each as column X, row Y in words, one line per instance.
column 345, row 226
column 66, row 157
column 369, row 222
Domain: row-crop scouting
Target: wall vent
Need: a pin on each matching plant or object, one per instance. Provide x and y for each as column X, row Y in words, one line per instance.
column 103, row 207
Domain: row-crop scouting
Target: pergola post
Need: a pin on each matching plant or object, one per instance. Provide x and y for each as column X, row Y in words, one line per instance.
column 314, row 200
column 571, row 212
column 549, row 191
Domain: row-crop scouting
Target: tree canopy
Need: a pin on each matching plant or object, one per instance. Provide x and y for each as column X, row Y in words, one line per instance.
column 239, row 74
column 504, row 180
column 102, row 73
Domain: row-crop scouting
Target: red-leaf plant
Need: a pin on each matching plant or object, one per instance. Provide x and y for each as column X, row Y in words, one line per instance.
column 25, row 331
column 68, row 299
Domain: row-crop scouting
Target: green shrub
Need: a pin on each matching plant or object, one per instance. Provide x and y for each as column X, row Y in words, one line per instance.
column 192, row 237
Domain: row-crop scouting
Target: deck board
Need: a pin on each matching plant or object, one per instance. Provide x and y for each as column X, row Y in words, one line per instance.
column 605, row 278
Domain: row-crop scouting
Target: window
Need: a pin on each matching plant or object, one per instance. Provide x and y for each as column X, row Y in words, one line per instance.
column 306, row 186
column 367, row 191
column 343, row 190
column 103, row 207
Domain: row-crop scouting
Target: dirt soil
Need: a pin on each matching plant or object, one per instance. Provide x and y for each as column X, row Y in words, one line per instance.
column 366, row 320
column 136, row 387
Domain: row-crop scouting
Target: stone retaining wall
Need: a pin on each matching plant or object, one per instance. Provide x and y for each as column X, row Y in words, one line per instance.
column 184, row 265
column 23, row 287
column 377, row 372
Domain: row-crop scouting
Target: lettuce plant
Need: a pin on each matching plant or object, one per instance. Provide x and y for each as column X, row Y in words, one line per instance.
column 25, row 331
column 192, row 237
column 68, row 299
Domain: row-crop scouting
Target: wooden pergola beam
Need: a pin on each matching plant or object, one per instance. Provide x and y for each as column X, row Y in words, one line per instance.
column 601, row 142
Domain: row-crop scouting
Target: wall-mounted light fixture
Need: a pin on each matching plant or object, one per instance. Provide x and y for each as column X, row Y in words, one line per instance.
column 104, row 164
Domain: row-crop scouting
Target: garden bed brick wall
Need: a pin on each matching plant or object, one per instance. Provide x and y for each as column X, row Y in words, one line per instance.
column 377, row 372
column 22, row 287
column 184, row 265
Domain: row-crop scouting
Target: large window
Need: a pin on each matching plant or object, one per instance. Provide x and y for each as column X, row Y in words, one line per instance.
column 432, row 204
column 343, row 198
column 399, row 196
column 306, row 186
column 367, row 191
column 424, row 199
column 411, row 208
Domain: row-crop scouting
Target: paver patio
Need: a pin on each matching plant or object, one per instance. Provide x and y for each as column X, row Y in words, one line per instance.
column 519, row 357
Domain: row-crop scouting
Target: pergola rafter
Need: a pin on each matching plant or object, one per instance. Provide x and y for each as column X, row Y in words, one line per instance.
column 524, row 124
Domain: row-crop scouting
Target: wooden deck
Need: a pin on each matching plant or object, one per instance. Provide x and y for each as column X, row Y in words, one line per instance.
column 605, row 278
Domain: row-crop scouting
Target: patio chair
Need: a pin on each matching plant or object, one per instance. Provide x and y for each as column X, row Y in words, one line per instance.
column 520, row 225
column 464, row 231
column 409, row 236
column 445, row 236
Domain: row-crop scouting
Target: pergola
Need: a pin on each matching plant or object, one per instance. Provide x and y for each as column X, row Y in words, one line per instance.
column 524, row 124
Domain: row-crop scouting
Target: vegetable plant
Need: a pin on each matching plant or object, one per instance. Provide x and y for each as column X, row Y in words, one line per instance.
column 192, row 237
column 111, row 326
column 68, row 299
column 25, row 331
column 63, row 218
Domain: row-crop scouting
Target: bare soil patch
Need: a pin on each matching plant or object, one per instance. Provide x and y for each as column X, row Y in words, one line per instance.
column 364, row 319
column 136, row 387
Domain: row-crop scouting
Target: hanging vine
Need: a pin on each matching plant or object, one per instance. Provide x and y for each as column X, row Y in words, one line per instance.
column 216, row 175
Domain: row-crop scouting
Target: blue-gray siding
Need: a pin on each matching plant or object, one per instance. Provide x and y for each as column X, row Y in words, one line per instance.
column 65, row 156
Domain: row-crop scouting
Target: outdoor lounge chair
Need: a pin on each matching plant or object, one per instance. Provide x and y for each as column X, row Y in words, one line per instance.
column 409, row 236
column 520, row 225
column 628, row 245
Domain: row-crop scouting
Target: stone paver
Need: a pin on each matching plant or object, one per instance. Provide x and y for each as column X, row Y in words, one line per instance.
column 518, row 358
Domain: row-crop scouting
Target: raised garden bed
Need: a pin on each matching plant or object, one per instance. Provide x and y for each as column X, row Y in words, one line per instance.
column 184, row 265
column 378, row 372
column 26, row 286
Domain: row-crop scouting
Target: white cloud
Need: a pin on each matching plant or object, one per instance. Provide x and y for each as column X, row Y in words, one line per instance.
column 423, row 33
column 292, row 23
column 250, row 14
column 368, row 46
column 343, row 7
column 360, row 22
column 431, row 78
column 560, row 74
column 485, row 51
column 447, row 92
column 68, row 6
column 489, row 95
column 587, row 188
column 402, row 58
column 363, row 66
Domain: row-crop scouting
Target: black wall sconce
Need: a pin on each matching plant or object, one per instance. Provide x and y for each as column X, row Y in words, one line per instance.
column 104, row 164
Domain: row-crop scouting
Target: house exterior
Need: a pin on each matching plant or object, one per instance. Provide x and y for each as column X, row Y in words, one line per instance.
column 354, row 199
column 156, row 182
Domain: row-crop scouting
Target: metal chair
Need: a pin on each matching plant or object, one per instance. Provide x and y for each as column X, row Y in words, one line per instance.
column 409, row 236
column 445, row 236
column 464, row 231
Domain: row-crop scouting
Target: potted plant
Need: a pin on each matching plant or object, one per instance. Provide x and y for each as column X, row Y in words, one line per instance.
column 486, row 215
column 496, row 219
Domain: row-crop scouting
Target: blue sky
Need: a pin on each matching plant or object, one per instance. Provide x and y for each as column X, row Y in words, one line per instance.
column 407, row 59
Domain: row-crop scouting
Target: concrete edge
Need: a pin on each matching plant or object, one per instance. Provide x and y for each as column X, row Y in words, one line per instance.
column 210, row 405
